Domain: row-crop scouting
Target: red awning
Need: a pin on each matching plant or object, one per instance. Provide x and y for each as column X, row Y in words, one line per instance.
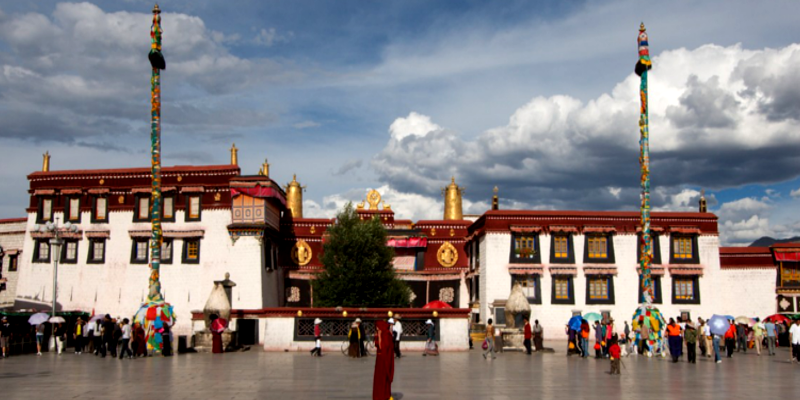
column 98, row 191
column 407, row 242
column 193, row 189
column 685, row 229
column 260, row 192
column 525, row 269
column 599, row 229
column 599, row 270
column 652, row 229
column 525, row 229
column 98, row 234
column 563, row 228
column 44, row 192
column 563, row 270
column 71, row 191
column 787, row 256
column 686, row 269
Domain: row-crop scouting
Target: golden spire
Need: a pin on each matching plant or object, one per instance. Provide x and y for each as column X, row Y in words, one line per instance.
column 46, row 161
column 452, row 201
column 156, row 10
column 264, row 169
column 294, row 197
column 703, row 204
column 495, row 199
column 234, row 155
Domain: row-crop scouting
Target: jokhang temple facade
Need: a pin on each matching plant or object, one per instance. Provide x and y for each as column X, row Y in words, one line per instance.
column 218, row 221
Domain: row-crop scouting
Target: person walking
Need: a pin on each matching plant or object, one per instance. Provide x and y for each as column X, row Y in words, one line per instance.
column 61, row 337
column 730, row 339
column 126, row 340
column 526, row 336
column 614, row 353
column 431, row 349
column 77, row 335
column 675, row 340
column 107, row 331
column 97, row 337
column 707, row 338
column 362, row 348
column 771, row 333
column 166, row 341
column 384, row 362
column 701, row 342
column 585, row 332
column 353, row 338
column 5, row 335
column 140, row 350
column 489, row 340
column 538, row 336
column 794, row 339
column 397, row 331
column 317, row 351
column 758, row 335
column 741, row 338
column 690, row 334
column 715, row 344
column 39, row 338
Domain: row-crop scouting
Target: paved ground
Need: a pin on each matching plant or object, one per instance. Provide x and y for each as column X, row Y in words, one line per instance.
column 465, row 375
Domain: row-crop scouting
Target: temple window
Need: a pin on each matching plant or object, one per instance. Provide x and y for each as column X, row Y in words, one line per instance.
column 45, row 212
column 100, row 209
column 73, row 209
column 684, row 249
column 168, row 209
column 599, row 289
column 97, row 251
column 139, row 249
column 142, row 211
column 166, row 251
column 598, row 247
column 561, row 249
column 193, row 208
column 563, row 290
column 656, row 279
column 530, row 287
column 41, row 251
column 69, row 254
column 524, row 248
column 685, row 290
column 191, row 251
column 13, row 263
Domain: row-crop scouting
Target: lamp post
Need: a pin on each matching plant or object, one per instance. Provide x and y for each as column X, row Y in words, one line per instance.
column 55, row 243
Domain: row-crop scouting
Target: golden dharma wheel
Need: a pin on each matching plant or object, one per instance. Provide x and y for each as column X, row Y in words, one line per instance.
column 299, row 313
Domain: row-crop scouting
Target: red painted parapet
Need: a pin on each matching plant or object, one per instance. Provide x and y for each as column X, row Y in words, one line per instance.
column 352, row 312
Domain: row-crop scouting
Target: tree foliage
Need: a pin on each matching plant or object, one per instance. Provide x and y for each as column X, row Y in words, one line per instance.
column 358, row 266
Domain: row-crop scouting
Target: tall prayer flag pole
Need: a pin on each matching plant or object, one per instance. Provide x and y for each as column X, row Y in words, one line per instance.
column 642, row 66
column 158, row 63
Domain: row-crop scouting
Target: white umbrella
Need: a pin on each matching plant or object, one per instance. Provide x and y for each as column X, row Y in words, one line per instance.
column 57, row 320
column 38, row 318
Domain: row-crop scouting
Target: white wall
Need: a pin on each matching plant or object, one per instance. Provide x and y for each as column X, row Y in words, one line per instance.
column 10, row 240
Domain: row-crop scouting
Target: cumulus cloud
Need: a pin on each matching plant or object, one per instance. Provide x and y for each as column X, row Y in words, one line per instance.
column 795, row 193
column 559, row 151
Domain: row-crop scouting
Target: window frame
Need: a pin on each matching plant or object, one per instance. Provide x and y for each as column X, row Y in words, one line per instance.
column 13, row 263
column 40, row 209
column 537, row 289
column 657, row 293
column 164, row 258
column 94, row 219
column 609, row 258
column 656, row 244
column 37, row 258
column 90, row 258
column 185, row 251
column 694, row 259
column 695, row 289
column 570, row 289
column 188, row 209
column 68, row 209
column 63, row 257
column 512, row 257
column 164, row 217
column 135, row 242
column 609, row 289
column 570, row 259
column 137, row 207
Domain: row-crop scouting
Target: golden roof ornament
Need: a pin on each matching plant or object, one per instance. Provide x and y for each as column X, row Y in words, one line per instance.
column 234, row 155
column 294, row 197
column 46, row 161
column 373, row 198
column 452, row 201
column 264, row 171
column 495, row 199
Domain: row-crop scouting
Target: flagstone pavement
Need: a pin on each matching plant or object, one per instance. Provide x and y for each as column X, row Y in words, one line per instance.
column 464, row 375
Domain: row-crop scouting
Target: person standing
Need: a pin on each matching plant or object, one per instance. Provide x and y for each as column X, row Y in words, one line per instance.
column 109, row 344
column 166, row 341
column 690, row 334
column 715, row 344
column 730, row 339
column 489, row 340
column 431, row 348
column 526, row 336
column 126, row 340
column 97, row 337
column 707, row 338
column 644, row 338
column 384, row 362
column 317, row 351
column 598, row 339
column 77, row 335
column 794, row 339
column 362, row 348
column 741, row 337
column 675, row 340
column 353, row 337
column 397, row 331
column 758, row 335
column 39, row 338
column 769, row 329
column 61, row 337
column 701, row 342
column 614, row 353
column 585, row 332
column 538, row 336
column 140, row 349
column 5, row 335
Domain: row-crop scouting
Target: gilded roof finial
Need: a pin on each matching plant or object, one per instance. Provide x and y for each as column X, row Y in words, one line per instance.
column 46, row 161
column 264, row 168
column 156, row 10
column 234, row 155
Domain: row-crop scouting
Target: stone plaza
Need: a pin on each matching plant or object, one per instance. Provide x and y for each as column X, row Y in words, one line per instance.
column 457, row 375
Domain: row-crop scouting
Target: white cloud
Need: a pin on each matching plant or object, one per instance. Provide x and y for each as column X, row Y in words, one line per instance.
column 269, row 37
column 615, row 191
column 306, row 124
column 795, row 193
column 413, row 125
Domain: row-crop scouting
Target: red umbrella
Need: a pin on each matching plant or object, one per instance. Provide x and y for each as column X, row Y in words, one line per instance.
column 777, row 318
column 437, row 304
column 219, row 325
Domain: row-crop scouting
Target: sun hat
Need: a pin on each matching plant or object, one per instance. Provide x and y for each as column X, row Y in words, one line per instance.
column 358, row 320
column 428, row 322
column 391, row 320
column 317, row 321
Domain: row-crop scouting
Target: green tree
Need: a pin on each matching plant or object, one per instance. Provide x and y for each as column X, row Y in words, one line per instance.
column 358, row 266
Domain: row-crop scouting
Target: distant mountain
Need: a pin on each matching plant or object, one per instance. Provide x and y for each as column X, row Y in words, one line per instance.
column 767, row 241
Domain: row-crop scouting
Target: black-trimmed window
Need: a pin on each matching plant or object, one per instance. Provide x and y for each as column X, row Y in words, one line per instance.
column 13, row 263
column 599, row 289
column 69, row 252
column 563, row 290
column 525, row 248
column 657, row 299
column 141, row 212
column 191, row 251
column 655, row 243
column 139, row 250
column 561, row 249
column 598, row 248
column 168, row 208
column 166, row 251
column 41, row 251
column 530, row 287
column 97, row 251
column 45, row 210
column 72, row 209
column 194, row 207
column 683, row 249
column 686, row 289
column 99, row 209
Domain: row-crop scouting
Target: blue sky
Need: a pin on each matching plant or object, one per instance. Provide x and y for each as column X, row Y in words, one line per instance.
column 538, row 98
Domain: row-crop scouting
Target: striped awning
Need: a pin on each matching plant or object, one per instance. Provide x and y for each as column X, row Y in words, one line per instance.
column 599, row 229
column 98, row 234
column 563, row 269
column 98, row 191
column 688, row 269
column 195, row 233
column 525, row 229
column 685, row 229
column 192, row 189
column 599, row 269
column 44, row 192
column 71, row 191
column 563, row 228
column 522, row 269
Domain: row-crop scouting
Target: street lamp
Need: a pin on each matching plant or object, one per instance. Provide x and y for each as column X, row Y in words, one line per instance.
column 55, row 244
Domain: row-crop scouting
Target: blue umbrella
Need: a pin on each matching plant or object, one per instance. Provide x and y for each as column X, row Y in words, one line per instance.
column 718, row 324
column 593, row 316
column 575, row 323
